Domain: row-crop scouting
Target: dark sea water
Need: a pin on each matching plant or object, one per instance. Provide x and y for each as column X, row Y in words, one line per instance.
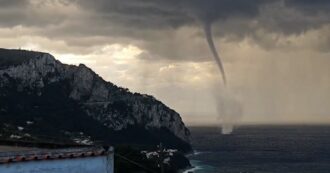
column 262, row 149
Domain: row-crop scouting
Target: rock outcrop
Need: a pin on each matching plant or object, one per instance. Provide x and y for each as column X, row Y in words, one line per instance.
column 46, row 87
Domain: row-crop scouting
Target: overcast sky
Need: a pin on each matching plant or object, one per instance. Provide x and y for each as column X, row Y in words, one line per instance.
column 276, row 53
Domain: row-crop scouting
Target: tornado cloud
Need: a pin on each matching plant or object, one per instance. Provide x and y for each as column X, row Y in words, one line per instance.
column 209, row 38
column 228, row 107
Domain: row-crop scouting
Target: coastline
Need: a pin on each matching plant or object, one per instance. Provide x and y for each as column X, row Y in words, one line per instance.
column 193, row 167
column 197, row 166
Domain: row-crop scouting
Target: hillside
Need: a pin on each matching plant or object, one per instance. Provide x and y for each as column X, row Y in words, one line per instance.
column 43, row 99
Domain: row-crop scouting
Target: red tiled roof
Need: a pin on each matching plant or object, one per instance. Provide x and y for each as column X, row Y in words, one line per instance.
column 44, row 154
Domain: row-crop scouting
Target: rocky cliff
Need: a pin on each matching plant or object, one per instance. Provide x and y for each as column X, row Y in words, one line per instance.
column 40, row 96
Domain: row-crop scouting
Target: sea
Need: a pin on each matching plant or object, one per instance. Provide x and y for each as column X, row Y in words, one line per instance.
column 261, row 149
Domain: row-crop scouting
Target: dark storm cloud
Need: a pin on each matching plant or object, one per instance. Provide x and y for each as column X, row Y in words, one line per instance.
column 171, row 13
column 130, row 17
column 236, row 19
column 295, row 16
column 310, row 6
column 30, row 13
column 13, row 3
column 214, row 10
column 11, row 11
column 157, row 14
column 151, row 21
column 174, row 13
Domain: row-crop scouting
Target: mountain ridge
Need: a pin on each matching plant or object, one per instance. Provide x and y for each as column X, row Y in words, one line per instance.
column 41, row 81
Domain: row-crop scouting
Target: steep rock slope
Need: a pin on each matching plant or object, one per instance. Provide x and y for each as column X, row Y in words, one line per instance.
column 40, row 96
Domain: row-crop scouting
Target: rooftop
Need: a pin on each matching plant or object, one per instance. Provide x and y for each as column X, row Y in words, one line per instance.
column 20, row 154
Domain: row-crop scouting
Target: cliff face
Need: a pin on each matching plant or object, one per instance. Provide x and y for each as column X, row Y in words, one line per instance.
column 38, row 85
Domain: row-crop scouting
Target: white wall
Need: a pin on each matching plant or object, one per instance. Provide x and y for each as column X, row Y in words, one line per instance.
column 97, row 164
